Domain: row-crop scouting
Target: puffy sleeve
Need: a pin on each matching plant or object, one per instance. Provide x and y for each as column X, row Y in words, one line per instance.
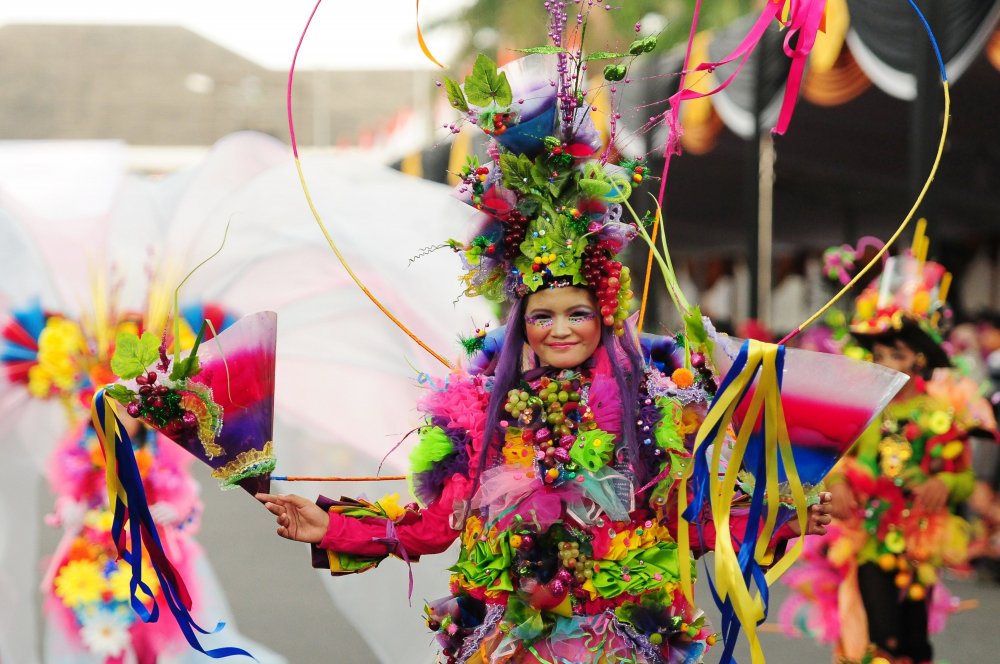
column 427, row 530
column 360, row 534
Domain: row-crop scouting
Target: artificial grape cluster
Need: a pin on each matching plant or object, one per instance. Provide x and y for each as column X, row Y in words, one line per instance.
column 576, row 562
column 514, row 233
column 160, row 405
column 609, row 279
column 518, row 401
column 561, row 399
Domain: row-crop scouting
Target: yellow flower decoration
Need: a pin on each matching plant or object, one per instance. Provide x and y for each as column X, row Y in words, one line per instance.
column 939, row 422
column 119, row 582
column 473, row 530
column 80, row 582
column 99, row 520
column 60, row 346
column 390, row 505
column 690, row 420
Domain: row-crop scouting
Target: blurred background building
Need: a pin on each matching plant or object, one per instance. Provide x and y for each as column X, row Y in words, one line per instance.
column 170, row 93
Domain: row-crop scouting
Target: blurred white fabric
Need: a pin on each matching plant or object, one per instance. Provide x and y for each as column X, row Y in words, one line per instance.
column 345, row 373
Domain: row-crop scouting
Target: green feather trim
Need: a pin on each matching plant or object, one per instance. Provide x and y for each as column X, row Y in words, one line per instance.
column 434, row 446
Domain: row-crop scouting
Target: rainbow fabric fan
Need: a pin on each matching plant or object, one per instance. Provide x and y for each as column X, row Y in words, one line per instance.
column 218, row 405
column 795, row 413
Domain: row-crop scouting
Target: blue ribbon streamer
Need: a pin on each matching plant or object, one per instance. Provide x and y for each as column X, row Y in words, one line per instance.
column 694, row 514
column 140, row 519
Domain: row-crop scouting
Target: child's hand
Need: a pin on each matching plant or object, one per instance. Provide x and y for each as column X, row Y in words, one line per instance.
column 819, row 517
column 844, row 504
column 932, row 494
column 298, row 518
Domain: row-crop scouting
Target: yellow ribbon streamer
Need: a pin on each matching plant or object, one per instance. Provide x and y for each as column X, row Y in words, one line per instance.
column 765, row 401
column 423, row 44
column 108, row 435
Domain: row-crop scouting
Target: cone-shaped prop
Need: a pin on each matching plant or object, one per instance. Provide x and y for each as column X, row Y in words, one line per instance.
column 828, row 401
column 220, row 407
column 238, row 367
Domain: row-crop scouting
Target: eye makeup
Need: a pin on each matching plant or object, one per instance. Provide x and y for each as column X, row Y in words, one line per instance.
column 546, row 320
column 582, row 316
column 539, row 320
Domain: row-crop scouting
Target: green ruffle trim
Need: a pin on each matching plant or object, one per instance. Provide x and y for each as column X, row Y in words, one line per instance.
column 593, row 449
column 434, row 446
column 637, row 573
column 487, row 564
column 249, row 463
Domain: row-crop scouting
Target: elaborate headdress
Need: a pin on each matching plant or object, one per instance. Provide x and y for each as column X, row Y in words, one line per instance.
column 552, row 209
column 907, row 302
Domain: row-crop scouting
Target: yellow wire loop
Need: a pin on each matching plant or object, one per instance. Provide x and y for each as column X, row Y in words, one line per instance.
column 899, row 231
column 360, row 284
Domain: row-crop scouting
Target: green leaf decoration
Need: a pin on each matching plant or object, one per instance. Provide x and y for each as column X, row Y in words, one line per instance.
column 189, row 366
column 455, row 95
column 640, row 46
column 517, row 171
column 486, row 85
column 694, row 327
column 185, row 368
column 540, row 174
column 615, row 72
column 133, row 355
column 544, row 50
column 120, row 393
column 604, row 55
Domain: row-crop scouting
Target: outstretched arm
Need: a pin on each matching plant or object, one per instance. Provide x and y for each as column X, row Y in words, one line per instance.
column 298, row 519
column 703, row 539
column 430, row 532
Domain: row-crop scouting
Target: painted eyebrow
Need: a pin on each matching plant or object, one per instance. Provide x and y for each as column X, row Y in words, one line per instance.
column 574, row 310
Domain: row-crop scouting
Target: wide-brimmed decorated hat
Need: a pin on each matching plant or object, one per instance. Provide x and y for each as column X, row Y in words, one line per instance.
column 907, row 303
column 555, row 209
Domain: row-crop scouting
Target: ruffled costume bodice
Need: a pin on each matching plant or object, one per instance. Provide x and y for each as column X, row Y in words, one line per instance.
column 564, row 556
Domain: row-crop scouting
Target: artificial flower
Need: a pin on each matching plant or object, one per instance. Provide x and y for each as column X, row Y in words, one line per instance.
column 105, row 633
column 99, row 520
column 119, row 582
column 390, row 505
column 80, row 582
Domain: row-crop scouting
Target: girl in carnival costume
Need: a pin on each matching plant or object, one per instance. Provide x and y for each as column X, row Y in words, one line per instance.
column 555, row 464
column 895, row 498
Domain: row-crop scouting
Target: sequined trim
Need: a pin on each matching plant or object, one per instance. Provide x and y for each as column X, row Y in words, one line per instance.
column 494, row 614
column 640, row 642
column 248, row 463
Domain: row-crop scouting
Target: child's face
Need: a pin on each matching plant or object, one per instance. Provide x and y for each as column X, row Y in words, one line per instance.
column 898, row 356
column 562, row 325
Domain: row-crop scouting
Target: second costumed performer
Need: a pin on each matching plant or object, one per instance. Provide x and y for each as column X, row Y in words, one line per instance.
column 549, row 464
